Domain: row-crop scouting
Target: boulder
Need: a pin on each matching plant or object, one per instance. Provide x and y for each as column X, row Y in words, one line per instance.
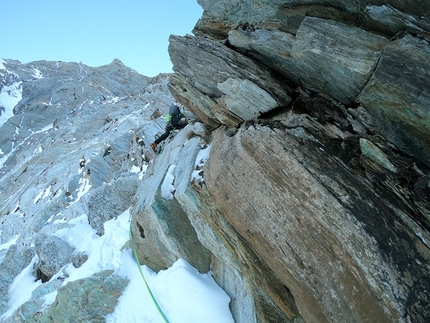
column 53, row 254
column 26, row 312
column 85, row 300
column 110, row 200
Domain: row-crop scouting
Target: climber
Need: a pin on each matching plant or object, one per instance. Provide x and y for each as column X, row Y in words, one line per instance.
column 174, row 120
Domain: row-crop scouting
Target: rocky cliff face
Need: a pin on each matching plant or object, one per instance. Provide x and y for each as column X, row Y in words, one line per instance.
column 314, row 201
column 304, row 187
column 75, row 141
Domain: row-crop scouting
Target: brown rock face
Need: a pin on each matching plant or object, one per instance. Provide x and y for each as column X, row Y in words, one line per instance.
column 325, row 233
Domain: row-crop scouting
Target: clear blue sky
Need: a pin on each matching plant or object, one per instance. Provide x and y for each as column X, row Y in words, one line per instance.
column 95, row 32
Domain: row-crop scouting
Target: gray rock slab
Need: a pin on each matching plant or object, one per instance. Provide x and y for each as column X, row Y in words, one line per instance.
column 335, row 58
column 374, row 153
column 16, row 259
column 246, row 99
column 86, row 300
column 190, row 54
column 162, row 230
column 398, row 96
column 331, row 230
column 271, row 47
column 384, row 16
column 201, row 105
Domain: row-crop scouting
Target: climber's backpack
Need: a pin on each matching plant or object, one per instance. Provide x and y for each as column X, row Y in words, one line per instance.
column 174, row 110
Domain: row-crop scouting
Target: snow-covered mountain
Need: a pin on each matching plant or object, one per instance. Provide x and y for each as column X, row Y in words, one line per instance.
column 74, row 148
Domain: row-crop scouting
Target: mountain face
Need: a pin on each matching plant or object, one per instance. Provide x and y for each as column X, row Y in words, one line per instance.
column 304, row 185
column 75, row 143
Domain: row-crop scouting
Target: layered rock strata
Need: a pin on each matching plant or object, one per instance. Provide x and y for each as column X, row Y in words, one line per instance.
column 315, row 198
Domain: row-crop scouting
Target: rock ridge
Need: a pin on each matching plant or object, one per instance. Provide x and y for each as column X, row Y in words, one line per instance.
column 340, row 216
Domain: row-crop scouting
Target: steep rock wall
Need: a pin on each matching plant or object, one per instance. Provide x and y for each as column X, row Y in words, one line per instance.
column 313, row 223
column 327, row 193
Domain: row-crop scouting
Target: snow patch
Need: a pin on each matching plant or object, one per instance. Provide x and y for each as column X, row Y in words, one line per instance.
column 37, row 73
column 84, row 186
column 38, row 197
column 5, row 246
column 418, row 234
column 115, row 99
column 168, row 188
column 183, row 294
column 49, row 299
column 139, row 170
column 46, row 128
column 10, row 243
column 201, row 159
column 197, row 297
column 42, row 194
column 103, row 252
column 21, row 288
column 9, row 98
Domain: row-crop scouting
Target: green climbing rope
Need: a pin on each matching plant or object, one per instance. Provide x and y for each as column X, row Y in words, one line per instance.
column 143, row 276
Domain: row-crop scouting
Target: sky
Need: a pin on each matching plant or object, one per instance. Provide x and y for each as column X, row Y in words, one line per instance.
column 95, row 32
